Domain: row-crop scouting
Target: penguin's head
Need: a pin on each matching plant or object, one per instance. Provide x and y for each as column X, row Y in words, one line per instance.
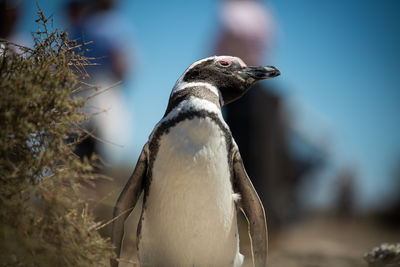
column 229, row 74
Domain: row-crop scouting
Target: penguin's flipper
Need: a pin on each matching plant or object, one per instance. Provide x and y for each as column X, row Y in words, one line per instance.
column 253, row 209
column 127, row 201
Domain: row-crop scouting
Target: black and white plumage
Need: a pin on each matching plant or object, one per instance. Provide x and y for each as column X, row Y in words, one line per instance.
column 193, row 177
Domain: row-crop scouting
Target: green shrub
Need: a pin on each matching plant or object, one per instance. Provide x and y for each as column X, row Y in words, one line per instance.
column 44, row 221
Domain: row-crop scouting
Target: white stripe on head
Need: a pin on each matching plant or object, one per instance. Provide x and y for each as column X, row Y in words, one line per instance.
column 199, row 62
column 183, row 85
column 180, row 84
column 180, row 80
column 230, row 58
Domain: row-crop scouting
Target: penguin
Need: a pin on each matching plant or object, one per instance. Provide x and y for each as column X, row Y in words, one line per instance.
column 192, row 176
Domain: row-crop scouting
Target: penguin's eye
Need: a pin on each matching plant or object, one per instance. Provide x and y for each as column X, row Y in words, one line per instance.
column 224, row 63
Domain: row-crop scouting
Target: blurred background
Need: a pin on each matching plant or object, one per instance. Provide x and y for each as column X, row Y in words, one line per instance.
column 321, row 142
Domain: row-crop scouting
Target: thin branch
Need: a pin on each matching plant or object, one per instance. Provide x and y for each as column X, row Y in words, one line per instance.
column 15, row 44
column 113, row 219
column 99, row 201
column 104, row 90
column 89, row 85
column 79, row 45
column 98, row 138
column 99, row 110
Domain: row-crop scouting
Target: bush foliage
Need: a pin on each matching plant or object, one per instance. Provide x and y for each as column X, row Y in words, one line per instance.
column 44, row 221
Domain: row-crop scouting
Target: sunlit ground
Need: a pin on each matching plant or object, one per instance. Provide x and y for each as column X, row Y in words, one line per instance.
column 316, row 240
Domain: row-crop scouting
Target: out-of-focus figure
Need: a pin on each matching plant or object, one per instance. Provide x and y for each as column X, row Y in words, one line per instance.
column 247, row 28
column 345, row 196
column 390, row 214
column 96, row 21
column 257, row 120
column 10, row 12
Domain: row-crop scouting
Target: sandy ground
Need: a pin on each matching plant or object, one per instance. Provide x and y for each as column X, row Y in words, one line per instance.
column 325, row 241
column 318, row 240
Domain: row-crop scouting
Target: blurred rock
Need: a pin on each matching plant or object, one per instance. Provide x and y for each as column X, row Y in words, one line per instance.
column 386, row 255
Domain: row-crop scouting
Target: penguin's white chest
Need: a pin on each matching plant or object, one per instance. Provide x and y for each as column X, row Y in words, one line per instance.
column 189, row 217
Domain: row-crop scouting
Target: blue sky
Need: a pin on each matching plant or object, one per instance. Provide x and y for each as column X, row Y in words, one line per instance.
column 340, row 64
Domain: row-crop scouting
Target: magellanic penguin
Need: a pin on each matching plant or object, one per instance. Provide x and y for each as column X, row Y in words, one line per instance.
column 193, row 177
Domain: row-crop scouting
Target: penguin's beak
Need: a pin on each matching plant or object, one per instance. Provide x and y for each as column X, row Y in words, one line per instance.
column 259, row 73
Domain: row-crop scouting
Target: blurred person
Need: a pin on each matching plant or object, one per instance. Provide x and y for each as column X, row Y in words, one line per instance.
column 390, row 215
column 99, row 22
column 247, row 27
column 346, row 190
column 256, row 120
column 10, row 12
column 77, row 12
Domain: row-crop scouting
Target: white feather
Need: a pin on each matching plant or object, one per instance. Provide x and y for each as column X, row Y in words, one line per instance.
column 236, row 197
